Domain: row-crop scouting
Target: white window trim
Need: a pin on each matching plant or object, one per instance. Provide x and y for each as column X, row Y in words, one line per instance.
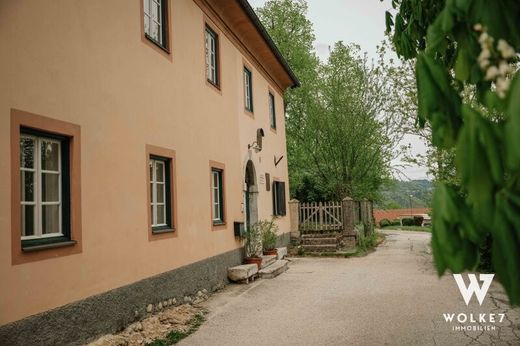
column 155, row 184
column 158, row 21
column 248, row 75
column 37, row 202
column 211, row 56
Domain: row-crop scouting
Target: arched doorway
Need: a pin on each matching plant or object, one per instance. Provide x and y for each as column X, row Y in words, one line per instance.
column 251, row 194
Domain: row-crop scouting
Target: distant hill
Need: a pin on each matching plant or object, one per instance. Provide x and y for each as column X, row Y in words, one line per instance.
column 396, row 194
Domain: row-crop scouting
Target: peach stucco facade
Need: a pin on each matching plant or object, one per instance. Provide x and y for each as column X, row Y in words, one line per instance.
column 86, row 63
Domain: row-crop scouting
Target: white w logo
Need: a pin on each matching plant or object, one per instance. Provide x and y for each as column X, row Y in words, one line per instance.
column 480, row 292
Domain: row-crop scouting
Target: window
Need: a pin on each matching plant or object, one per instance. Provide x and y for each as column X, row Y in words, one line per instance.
column 156, row 22
column 278, row 198
column 160, row 193
column 211, row 56
column 44, row 188
column 217, row 196
column 272, row 112
column 248, row 90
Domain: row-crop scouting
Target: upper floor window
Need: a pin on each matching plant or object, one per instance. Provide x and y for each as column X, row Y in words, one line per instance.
column 160, row 199
column 217, row 195
column 211, row 47
column 248, row 89
column 44, row 188
column 156, row 22
column 272, row 112
column 279, row 198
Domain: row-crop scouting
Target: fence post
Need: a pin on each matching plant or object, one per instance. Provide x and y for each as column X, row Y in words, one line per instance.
column 363, row 205
column 347, row 210
column 371, row 215
column 294, row 211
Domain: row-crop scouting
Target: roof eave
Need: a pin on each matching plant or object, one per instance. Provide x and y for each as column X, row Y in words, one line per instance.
column 261, row 29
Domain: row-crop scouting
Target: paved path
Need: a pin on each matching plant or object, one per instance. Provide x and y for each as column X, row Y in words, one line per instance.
column 390, row 297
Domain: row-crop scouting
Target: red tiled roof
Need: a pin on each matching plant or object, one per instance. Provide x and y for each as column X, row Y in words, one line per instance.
column 392, row 214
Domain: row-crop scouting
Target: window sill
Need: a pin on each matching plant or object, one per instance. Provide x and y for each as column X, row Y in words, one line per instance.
column 163, row 230
column 218, row 223
column 49, row 246
column 249, row 113
column 166, row 50
column 215, row 85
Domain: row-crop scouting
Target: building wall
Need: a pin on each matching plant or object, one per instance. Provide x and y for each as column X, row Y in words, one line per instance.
column 84, row 62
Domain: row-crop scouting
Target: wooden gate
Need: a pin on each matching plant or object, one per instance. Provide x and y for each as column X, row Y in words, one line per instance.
column 322, row 216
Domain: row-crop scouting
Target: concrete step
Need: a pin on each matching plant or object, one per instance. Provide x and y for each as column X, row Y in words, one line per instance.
column 273, row 270
column 281, row 252
column 243, row 272
column 319, row 241
column 267, row 260
column 320, row 235
column 320, row 248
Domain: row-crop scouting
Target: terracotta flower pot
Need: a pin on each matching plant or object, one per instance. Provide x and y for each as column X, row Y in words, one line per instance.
column 254, row 260
column 270, row 252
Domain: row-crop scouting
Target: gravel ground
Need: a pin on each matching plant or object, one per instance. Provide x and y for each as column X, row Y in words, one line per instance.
column 390, row 297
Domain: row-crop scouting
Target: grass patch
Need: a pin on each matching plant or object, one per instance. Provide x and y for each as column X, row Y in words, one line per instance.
column 177, row 335
column 408, row 228
column 368, row 242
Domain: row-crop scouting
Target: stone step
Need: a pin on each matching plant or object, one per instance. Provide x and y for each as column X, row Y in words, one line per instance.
column 281, row 252
column 320, row 235
column 319, row 241
column 267, row 260
column 275, row 269
column 243, row 272
column 320, row 248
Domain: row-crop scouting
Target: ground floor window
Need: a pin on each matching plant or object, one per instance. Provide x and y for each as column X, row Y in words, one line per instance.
column 44, row 187
column 160, row 200
column 217, row 195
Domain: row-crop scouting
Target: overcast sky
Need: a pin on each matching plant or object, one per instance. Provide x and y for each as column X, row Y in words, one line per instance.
column 361, row 22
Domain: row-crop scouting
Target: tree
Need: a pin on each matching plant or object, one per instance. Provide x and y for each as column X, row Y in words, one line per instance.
column 291, row 30
column 469, row 94
column 338, row 138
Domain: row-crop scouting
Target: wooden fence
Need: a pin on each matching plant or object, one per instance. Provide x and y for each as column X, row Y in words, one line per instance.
column 322, row 216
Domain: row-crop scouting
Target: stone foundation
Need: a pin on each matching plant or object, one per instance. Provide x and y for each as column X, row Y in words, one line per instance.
column 85, row 320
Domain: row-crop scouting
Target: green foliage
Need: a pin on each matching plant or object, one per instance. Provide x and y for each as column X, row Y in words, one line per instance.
column 395, row 222
column 366, row 241
column 468, row 89
column 384, row 223
column 395, row 194
column 407, row 221
column 253, row 240
column 337, row 144
column 268, row 231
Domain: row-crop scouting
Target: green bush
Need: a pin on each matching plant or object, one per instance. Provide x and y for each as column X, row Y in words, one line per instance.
column 395, row 222
column 407, row 221
column 384, row 223
column 418, row 220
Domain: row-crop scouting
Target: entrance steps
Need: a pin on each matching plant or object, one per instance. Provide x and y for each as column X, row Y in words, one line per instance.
column 271, row 267
column 319, row 242
column 273, row 270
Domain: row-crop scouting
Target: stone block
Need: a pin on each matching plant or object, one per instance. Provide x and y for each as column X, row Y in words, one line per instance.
column 242, row 272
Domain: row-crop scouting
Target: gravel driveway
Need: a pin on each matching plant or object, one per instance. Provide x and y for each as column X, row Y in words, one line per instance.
column 390, row 297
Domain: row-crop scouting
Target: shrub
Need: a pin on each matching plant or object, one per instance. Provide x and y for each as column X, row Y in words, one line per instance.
column 395, row 222
column 418, row 220
column 384, row 223
column 407, row 221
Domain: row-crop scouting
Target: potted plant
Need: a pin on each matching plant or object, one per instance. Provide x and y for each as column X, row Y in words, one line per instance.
column 253, row 245
column 269, row 237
